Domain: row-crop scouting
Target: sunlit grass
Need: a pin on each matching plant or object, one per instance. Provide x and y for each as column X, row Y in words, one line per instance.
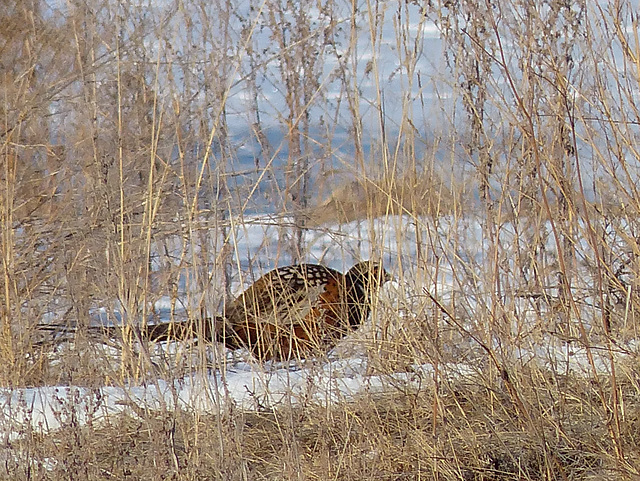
column 500, row 189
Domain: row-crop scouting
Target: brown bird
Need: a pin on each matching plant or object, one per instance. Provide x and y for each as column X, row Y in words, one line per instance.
column 288, row 313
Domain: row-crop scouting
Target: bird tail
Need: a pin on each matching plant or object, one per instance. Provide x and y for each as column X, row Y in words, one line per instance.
column 202, row 329
column 179, row 331
column 205, row 329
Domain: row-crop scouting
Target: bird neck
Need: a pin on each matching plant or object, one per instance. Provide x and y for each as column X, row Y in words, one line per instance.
column 358, row 300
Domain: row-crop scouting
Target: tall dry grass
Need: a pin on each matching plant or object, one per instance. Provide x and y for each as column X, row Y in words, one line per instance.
column 124, row 182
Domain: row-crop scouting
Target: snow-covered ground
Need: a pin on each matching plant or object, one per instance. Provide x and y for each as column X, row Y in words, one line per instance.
column 453, row 267
column 347, row 371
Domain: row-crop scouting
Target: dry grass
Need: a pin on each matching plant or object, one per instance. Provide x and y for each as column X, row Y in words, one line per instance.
column 467, row 430
column 364, row 198
column 509, row 178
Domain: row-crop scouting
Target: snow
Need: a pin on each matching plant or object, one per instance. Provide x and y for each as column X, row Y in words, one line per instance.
column 346, row 372
column 43, row 409
column 456, row 255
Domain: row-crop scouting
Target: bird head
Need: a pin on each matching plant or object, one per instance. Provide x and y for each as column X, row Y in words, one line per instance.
column 369, row 274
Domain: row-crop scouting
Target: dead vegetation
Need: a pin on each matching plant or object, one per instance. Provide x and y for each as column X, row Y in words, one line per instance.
column 418, row 194
column 465, row 430
column 137, row 144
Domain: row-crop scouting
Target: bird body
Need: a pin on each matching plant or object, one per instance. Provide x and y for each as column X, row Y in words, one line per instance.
column 294, row 310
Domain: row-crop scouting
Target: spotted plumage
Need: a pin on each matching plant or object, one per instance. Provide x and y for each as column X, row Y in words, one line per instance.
column 294, row 310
